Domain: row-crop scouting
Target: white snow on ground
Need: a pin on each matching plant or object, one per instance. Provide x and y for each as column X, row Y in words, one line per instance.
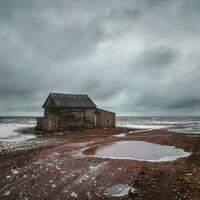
column 73, row 194
column 119, row 190
column 7, row 193
column 14, row 171
column 88, row 195
column 79, row 152
column 86, row 177
column 13, row 145
column 120, row 135
column 139, row 131
column 163, row 159
column 89, row 175
column 55, row 164
column 32, row 170
column 172, row 158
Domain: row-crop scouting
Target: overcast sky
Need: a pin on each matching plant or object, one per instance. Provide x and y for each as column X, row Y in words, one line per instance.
column 134, row 57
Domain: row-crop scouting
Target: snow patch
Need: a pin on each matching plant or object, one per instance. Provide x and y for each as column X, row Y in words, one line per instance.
column 120, row 135
column 14, row 171
column 88, row 195
column 141, row 131
column 6, row 193
column 73, row 194
column 87, row 177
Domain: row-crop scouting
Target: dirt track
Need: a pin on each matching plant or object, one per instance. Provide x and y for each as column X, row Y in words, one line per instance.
column 59, row 170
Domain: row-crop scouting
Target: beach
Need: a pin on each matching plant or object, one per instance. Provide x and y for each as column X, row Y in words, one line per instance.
column 63, row 166
column 99, row 100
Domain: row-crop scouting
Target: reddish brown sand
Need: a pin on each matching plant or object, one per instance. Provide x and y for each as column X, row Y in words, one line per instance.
column 59, row 170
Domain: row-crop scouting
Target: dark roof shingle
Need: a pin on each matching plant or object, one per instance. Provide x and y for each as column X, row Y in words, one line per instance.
column 68, row 101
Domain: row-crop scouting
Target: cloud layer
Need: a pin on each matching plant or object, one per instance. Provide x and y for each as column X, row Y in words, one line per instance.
column 133, row 57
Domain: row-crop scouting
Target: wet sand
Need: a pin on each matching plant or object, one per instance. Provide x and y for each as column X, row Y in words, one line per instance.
column 59, row 169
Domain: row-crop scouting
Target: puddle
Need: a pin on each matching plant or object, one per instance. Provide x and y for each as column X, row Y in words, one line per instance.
column 140, row 150
column 119, row 190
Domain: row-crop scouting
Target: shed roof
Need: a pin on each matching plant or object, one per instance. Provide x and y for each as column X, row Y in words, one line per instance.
column 57, row 100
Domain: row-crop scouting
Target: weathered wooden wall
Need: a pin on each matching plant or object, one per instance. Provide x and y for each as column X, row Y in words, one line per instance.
column 105, row 118
column 47, row 124
column 72, row 119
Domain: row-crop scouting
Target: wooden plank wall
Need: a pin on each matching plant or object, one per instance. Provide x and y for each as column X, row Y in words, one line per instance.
column 47, row 124
column 105, row 118
column 74, row 119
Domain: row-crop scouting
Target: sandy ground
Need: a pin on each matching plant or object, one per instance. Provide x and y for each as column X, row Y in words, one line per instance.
column 59, row 169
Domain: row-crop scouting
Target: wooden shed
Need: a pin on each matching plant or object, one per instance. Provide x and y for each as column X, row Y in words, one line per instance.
column 72, row 112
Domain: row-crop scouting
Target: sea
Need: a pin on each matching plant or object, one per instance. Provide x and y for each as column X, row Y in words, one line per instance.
column 11, row 137
column 184, row 125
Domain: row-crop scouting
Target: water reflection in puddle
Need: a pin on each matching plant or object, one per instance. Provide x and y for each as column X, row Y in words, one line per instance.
column 119, row 190
column 140, row 150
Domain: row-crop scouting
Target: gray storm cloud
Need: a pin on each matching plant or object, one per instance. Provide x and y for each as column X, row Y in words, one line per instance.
column 133, row 57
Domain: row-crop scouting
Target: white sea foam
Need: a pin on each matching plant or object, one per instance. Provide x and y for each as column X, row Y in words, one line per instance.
column 189, row 125
column 8, row 132
column 10, row 138
column 144, row 126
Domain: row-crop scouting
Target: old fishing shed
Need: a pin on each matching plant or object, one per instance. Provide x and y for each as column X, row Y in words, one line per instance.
column 72, row 112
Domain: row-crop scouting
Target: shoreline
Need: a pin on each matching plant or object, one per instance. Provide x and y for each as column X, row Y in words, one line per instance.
column 59, row 169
